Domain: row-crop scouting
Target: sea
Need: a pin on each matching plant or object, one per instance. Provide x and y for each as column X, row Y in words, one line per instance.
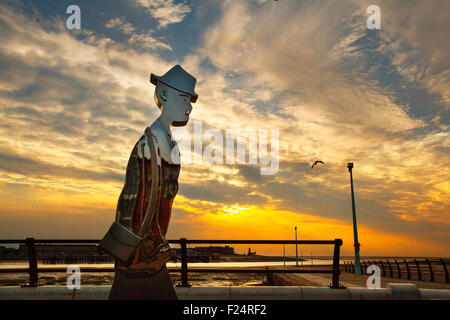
column 197, row 279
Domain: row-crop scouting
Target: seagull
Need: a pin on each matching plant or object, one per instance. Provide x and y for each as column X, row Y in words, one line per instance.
column 316, row 162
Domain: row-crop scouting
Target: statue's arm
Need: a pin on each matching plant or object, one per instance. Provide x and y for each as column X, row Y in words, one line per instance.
column 151, row 214
column 127, row 200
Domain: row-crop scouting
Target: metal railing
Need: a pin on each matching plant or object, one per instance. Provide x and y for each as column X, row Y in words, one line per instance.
column 33, row 269
column 433, row 270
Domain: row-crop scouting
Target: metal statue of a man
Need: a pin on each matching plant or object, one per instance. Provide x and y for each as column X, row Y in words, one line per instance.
column 137, row 238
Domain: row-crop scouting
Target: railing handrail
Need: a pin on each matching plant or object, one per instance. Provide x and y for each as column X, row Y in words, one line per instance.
column 414, row 266
column 33, row 269
column 196, row 269
column 198, row 241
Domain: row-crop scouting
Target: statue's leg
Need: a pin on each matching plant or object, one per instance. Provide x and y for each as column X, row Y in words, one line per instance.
column 155, row 287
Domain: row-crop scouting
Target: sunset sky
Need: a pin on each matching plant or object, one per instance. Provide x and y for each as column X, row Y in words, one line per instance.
column 74, row 102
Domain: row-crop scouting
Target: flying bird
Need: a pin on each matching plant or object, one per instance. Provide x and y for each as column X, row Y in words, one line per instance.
column 316, row 162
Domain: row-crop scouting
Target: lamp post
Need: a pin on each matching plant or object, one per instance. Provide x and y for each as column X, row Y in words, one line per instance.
column 355, row 229
column 296, row 248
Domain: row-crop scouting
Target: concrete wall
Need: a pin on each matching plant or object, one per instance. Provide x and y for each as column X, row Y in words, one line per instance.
column 394, row 292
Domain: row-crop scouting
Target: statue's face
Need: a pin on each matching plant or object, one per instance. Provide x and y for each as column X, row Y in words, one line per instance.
column 183, row 100
column 177, row 104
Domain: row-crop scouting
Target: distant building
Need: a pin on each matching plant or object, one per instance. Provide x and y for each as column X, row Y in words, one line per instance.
column 206, row 251
column 224, row 251
column 6, row 252
column 63, row 250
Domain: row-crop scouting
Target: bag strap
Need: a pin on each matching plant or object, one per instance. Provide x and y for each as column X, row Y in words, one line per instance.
column 155, row 189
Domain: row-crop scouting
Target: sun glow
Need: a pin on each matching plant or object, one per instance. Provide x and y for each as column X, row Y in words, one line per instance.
column 235, row 209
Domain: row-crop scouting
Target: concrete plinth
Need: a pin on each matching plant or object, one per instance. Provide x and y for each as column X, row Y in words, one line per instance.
column 394, row 292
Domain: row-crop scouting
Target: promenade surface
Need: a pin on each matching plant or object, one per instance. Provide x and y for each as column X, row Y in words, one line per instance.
column 349, row 280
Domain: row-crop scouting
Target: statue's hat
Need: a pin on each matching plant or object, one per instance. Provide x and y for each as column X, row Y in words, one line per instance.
column 179, row 79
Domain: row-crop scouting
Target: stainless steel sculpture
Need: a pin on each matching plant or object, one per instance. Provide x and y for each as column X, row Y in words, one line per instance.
column 137, row 237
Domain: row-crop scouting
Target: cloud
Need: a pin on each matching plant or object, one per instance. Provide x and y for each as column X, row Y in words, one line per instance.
column 119, row 23
column 147, row 41
column 416, row 36
column 137, row 40
column 165, row 11
column 17, row 164
column 303, row 65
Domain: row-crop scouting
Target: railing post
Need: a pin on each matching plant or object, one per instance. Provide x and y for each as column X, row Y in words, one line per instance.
column 419, row 274
column 407, row 270
column 32, row 261
column 384, row 270
column 336, row 271
column 431, row 270
column 184, row 267
column 390, row 269
column 399, row 273
column 445, row 270
column 269, row 275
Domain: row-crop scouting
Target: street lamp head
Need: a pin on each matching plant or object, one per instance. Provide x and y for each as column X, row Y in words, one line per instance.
column 350, row 166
